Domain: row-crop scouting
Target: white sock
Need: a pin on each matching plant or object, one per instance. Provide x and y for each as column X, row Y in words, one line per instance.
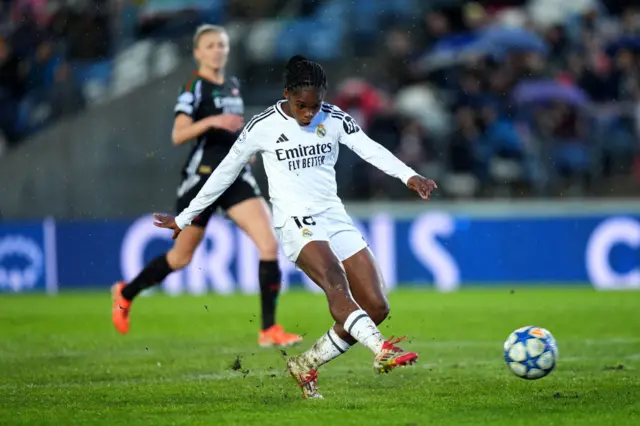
column 326, row 348
column 362, row 328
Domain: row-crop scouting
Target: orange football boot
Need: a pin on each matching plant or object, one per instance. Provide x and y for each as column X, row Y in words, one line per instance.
column 120, row 309
column 276, row 336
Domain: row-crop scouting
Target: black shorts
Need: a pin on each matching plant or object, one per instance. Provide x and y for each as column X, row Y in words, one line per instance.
column 243, row 188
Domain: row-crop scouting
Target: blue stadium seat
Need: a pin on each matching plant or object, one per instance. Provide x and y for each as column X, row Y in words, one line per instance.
column 327, row 44
column 288, row 42
column 320, row 39
column 166, row 6
column 84, row 72
column 406, row 8
column 334, row 13
column 214, row 12
column 364, row 16
column 367, row 16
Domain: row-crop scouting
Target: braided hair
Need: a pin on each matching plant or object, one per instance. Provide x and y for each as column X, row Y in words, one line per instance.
column 300, row 73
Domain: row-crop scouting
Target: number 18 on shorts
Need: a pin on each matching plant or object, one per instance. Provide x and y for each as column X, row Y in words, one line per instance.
column 333, row 225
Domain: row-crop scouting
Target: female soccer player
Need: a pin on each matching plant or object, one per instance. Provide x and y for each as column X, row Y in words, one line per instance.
column 299, row 138
column 210, row 110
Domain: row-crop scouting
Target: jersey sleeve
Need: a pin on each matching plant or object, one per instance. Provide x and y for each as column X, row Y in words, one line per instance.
column 372, row 152
column 222, row 177
column 186, row 103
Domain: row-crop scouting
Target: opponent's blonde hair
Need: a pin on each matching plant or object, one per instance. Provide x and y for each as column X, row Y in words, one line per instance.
column 205, row 29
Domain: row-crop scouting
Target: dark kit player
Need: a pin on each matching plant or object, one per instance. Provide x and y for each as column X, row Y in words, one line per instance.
column 210, row 109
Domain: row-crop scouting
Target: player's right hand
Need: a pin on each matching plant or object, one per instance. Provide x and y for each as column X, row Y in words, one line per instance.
column 424, row 187
column 167, row 222
column 229, row 122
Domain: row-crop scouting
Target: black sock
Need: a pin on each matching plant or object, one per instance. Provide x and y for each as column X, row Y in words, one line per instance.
column 155, row 271
column 269, row 275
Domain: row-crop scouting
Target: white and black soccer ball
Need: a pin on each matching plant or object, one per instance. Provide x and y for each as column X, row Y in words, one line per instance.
column 531, row 352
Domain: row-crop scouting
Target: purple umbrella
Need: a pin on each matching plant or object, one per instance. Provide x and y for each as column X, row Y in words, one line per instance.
column 499, row 41
column 548, row 91
column 630, row 42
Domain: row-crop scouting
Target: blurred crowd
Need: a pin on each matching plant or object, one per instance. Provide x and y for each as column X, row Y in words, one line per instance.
column 540, row 99
column 58, row 56
column 39, row 40
column 498, row 97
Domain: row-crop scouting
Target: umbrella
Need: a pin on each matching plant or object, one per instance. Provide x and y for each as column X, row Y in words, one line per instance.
column 547, row 91
column 454, row 43
column 500, row 40
column 628, row 42
column 446, row 52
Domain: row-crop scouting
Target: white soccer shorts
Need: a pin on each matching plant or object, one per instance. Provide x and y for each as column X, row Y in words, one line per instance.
column 333, row 225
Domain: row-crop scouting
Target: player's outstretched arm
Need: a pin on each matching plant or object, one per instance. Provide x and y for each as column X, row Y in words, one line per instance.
column 221, row 178
column 377, row 155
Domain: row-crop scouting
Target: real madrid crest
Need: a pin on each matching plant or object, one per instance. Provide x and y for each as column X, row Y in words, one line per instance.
column 306, row 233
column 321, row 131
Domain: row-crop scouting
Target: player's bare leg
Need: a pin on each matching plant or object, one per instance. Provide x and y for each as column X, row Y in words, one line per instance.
column 180, row 255
column 253, row 217
column 367, row 286
column 320, row 263
column 157, row 270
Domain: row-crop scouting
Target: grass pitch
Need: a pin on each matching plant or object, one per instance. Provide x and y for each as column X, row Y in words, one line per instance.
column 194, row 361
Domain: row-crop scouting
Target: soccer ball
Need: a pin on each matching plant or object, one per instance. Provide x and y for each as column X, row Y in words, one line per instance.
column 531, row 352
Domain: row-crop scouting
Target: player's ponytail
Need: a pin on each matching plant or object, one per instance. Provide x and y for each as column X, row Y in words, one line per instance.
column 301, row 72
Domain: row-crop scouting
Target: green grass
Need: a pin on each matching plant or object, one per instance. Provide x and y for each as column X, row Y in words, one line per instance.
column 62, row 363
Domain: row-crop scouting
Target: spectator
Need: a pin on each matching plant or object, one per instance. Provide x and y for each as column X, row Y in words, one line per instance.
column 416, row 146
column 500, row 137
column 470, row 90
column 43, row 67
column 360, row 99
column 474, row 16
column 65, row 94
column 4, row 143
column 559, row 46
column 89, row 38
column 438, row 27
column 25, row 36
column 386, row 128
column 12, row 88
column 393, row 64
column 463, row 155
column 631, row 21
column 408, row 140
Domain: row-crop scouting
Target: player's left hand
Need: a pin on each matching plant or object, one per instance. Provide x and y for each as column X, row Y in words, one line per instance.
column 424, row 187
column 168, row 222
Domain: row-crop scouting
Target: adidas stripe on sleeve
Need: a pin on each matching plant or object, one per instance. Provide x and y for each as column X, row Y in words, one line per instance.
column 369, row 150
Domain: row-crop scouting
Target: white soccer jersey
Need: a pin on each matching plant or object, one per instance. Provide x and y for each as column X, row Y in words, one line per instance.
column 299, row 162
